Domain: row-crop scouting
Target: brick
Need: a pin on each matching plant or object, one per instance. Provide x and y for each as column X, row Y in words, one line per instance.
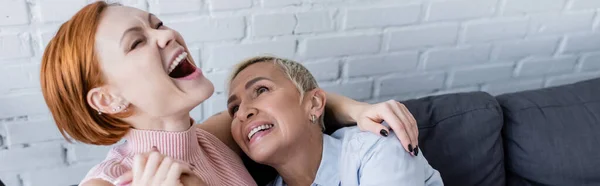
column 210, row 29
column 20, row 105
column 324, row 70
column 215, row 104
column 10, row 178
column 280, row 3
column 447, row 57
column 355, row 89
column 315, row 21
column 482, row 74
column 513, row 85
column 582, row 43
column 46, row 36
column 14, row 12
column 484, row 31
column 570, row 78
column 165, row 7
column 197, row 114
column 273, row 24
column 563, row 23
column 229, row 55
column 15, row 46
column 56, row 176
column 59, row 10
column 462, row 9
column 341, row 45
column 382, row 17
column 411, row 83
column 229, row 4
column 33, row 157
column 78, row 152
column 369, row 66
column 524, row 48
column 13, row 77
column 591, row 62
column 538, row 67
column 532, row 6
column 219, row 80
column 32, row 132
column 421, row 36
column 584, row 4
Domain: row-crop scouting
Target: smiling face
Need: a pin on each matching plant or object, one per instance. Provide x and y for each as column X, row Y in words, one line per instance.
column 269, row 115
column 147, row 65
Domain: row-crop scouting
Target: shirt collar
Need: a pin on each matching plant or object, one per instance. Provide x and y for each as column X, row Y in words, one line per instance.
column 328, row 172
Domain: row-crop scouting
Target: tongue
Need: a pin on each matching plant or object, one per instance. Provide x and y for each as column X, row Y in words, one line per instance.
column 183, row 69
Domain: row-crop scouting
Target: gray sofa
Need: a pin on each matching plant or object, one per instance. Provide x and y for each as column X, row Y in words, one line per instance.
column 548, row 136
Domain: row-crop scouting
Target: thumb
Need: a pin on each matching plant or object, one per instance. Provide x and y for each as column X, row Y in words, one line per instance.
column 375, row 128
column 125, row 178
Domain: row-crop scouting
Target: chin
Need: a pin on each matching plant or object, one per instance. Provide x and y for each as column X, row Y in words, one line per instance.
column 263, row 154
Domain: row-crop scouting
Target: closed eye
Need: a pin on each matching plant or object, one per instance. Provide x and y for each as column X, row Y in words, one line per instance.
column 135, row 44
column 233, row 110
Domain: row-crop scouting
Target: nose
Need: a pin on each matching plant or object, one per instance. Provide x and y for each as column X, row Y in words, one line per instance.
column 165, row 37
column 246, row 113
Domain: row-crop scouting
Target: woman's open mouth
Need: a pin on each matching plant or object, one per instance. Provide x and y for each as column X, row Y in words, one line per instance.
column 181, row 67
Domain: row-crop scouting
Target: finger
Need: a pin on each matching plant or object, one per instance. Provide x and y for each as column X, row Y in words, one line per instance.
column 139, row 163
column 399, row 128
column 412, row 125
column 125, row 178
column 163, row 170
column 175, row 172
column 408, row 126
column 152, row 164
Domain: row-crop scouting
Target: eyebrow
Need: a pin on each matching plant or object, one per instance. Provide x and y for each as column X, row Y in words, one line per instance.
column 137, row 28
column 248, row 85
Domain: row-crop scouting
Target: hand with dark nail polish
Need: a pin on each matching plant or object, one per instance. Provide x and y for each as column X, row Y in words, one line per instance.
column 416, row 150
column 384, row 132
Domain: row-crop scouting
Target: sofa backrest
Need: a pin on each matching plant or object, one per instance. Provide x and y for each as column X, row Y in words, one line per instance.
column 552, row 136
column 459, row 134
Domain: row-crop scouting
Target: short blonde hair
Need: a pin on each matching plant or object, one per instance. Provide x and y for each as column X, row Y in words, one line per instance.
column 294, row 71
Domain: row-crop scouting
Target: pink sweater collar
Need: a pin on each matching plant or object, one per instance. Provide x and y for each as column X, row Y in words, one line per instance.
column 178, row 145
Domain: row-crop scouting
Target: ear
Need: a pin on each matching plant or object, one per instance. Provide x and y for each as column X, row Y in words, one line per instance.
column 104, row 102
column 318, row 98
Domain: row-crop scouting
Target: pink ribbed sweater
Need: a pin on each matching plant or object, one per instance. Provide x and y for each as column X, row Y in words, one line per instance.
column 209, row 158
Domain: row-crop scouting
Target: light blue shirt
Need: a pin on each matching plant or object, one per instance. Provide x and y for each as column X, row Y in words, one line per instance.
column 353, row 157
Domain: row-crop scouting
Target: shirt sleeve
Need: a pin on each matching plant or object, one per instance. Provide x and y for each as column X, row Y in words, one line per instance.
column 387, row 163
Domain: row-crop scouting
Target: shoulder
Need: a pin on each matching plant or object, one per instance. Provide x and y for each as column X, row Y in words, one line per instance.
column 364, row 144
column 108, row 170
column 96, row 182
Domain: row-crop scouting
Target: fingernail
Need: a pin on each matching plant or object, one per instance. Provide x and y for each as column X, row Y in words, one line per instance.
column 154, row 148
column 417, row 150
column 383, row 132
column 410, row 148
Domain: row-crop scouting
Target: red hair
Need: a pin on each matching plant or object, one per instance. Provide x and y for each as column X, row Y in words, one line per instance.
column 70, row 69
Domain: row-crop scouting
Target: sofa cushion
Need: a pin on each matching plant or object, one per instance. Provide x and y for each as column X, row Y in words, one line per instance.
column 552, row 135
column 459, row 134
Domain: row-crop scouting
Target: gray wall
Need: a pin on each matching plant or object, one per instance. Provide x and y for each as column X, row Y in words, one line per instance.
column 371, row 50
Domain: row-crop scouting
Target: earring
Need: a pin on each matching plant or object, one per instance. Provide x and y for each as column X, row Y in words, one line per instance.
column 99, row 111
column 313, row 118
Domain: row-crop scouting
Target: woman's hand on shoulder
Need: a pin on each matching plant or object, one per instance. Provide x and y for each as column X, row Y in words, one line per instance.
column 370, row 116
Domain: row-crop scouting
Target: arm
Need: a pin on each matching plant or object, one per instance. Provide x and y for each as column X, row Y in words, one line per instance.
column 369, row 117
column 219, row 125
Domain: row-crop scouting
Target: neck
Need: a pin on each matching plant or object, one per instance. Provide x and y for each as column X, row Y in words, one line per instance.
column 175, row 123
column 301, row 161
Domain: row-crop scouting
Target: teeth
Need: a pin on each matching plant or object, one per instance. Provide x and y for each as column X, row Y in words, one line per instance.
column 177, row 61
column 257, row 129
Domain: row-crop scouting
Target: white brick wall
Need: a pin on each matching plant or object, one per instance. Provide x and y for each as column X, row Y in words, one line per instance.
column 367, row 50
